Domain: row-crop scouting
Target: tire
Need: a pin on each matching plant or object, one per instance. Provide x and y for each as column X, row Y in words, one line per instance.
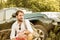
column 41, row 31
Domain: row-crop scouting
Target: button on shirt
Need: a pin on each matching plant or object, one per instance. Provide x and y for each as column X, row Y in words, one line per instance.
column 15, row 28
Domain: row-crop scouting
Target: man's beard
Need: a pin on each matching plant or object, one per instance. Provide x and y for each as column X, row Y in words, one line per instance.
column 20, row 20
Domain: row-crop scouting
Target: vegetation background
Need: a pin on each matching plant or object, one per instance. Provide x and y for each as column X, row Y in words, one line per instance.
column 34, row 5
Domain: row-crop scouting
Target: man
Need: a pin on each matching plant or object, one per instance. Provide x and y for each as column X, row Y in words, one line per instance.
column 21, row 28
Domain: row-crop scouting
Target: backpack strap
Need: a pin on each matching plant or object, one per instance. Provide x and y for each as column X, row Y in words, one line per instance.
column 25, row 25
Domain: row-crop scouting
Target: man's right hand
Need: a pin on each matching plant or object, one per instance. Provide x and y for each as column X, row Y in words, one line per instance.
column 26, row 32
column 13, row 38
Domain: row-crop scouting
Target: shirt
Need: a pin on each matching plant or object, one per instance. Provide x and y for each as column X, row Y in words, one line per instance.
column 15, row 28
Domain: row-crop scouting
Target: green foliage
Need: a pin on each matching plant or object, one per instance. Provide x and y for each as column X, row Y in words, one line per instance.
column 34, row 5
column 54, row 34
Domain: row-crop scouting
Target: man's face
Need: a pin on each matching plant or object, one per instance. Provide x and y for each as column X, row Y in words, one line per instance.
column 20, row 16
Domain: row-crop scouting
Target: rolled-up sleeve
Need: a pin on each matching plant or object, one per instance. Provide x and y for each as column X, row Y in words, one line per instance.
column 12, row 35
column 29, row 26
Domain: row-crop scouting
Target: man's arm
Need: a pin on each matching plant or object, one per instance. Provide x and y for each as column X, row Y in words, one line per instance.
column 12, row 35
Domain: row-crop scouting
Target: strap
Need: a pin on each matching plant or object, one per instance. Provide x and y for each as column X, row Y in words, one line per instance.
column 25, row 25
column 20, row 27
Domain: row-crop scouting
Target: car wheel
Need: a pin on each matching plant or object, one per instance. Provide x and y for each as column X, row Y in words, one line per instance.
column 41, row 32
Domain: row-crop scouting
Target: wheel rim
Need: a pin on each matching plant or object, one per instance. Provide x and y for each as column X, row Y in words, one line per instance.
column 41, row 34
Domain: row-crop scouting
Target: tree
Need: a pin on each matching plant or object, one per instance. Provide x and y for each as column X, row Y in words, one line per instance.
column 35, row 5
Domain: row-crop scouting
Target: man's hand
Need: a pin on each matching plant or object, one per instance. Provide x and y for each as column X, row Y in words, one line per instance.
column 26, row 32
column 13, row 38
